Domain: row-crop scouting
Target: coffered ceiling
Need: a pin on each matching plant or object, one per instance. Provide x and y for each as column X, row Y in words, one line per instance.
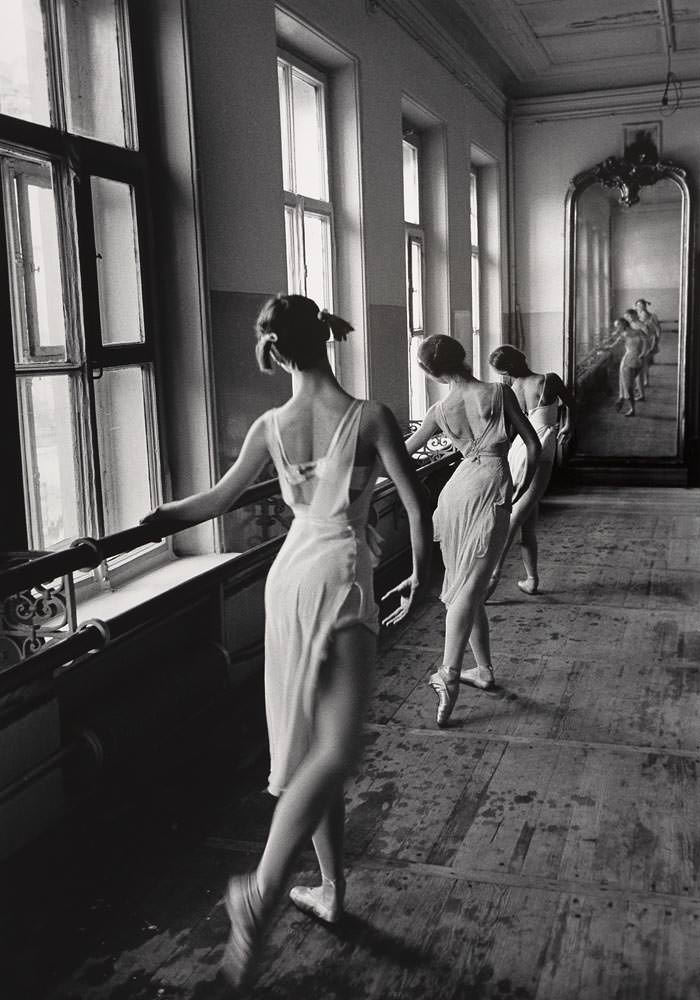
column 547, row 47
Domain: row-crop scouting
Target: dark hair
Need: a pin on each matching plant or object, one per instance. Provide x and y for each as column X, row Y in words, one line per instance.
column 509, row 360
column 632, row 312
column 625, row 323
column 645, row 302
column 297, row 330
column 441, row 355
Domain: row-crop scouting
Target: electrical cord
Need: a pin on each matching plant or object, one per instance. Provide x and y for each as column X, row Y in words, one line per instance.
column 674, row 88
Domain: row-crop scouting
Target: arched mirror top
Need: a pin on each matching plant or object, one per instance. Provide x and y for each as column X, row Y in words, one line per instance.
column 627, row 303
column 640, row 167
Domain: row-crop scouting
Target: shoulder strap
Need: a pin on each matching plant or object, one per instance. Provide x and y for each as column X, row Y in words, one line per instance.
column 544, row 386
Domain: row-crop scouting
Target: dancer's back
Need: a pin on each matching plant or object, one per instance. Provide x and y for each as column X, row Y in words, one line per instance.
column 472, row 416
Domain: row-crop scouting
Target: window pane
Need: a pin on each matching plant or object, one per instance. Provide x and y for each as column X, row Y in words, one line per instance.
column 50, row 450
column 295, row 269
column 476, row 289
column 33, row 237
column 285, row 123
column 24, row 91
column 118, row 266
column 416, row 378
column 95, row 88
column 317, row 246
column 416, row 284
column 309, row 138
column 473, row 210
column 124, row 418
column 411, row 194
column 476, row 315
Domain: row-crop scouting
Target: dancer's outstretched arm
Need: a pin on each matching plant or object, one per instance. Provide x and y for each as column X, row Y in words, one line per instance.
column 398, row 466
column 218, row 498
column 517, row 419
column 428, row 428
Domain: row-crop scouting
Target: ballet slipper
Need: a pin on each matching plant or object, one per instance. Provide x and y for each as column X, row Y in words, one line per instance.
column 244, row 908
column 446, row 687
column 478, row 677
column 529, row 585
column 618, row 404
column 630, row 413
column 314, row 900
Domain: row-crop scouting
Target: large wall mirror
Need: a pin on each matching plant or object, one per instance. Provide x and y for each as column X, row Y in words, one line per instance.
column 628, row 262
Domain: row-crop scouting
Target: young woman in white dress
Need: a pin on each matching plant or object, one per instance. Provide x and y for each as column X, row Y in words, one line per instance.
column 540, row 397
column 321, row 619
column 473, row 511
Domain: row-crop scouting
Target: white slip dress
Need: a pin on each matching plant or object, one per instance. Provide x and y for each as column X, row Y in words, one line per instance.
column 473, row 510
column 544, row 417
column 320, row 581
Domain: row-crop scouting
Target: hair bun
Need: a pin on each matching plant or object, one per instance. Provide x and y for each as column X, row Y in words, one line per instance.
column 337, row 327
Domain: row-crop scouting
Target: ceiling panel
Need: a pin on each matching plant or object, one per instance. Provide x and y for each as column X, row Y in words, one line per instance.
column 685, row 8
column 585, row 47
column 548, row 47
column 688, row 36
column 564, row 16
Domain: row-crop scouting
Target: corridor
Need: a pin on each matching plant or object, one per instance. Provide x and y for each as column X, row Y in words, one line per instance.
column 546, row 846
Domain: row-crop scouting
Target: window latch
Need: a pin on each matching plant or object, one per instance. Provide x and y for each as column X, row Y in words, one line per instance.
column 96, row 372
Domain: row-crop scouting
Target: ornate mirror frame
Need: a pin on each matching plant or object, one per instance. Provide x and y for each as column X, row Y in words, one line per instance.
column 639, row 167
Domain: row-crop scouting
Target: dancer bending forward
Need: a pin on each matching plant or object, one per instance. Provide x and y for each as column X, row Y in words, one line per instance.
column 321, row 620
column 539, row 396
column 473, row 511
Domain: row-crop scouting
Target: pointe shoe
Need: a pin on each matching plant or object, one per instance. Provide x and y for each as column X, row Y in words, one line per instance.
column 630, row 413
column 478, row 677
column 324, row 901
column 529, row 585
column 243, row 945
column 618, row 405
column 446, row 688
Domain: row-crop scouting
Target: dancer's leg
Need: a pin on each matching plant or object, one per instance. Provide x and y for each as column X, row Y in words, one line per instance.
column 522, row 511
column 480, row 639
column 343, row 694
column 326, row 900
column 528, row 551
column 328, row 840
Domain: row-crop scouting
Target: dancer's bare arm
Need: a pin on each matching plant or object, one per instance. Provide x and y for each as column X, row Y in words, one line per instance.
column 428, row 428
column 399, row 467
column 569, row 402
column 219, row 498
column 517, row 419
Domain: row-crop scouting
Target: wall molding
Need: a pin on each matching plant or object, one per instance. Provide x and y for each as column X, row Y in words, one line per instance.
column 413, row 18
column 596, row 103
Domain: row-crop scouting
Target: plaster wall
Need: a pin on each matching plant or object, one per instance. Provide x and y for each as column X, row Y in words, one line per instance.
column 549, row 149
column 238, row 141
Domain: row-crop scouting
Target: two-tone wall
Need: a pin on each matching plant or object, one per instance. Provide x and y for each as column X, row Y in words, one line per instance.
column 375, row 67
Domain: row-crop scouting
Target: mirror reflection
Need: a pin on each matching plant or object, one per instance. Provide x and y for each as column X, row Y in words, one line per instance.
column 628, row 277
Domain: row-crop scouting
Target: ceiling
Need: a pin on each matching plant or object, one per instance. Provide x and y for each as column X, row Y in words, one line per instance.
column 546, row 47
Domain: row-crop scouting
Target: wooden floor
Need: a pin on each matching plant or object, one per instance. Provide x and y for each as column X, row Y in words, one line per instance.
column 544, row 847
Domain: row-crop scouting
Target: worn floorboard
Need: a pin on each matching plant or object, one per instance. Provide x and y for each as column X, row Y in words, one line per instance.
column 545, row 846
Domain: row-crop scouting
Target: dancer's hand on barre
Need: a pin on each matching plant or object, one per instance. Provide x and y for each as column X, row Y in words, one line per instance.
column 409, row 591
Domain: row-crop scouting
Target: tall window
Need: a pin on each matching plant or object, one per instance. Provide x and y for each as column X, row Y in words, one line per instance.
column 415, row 274
column 72, row 278
column 476, row 269
column 308, row 210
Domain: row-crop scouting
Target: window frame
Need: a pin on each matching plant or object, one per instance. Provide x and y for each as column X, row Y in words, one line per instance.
column 476, row 270
column 74, row 160
column 414, row 235
column 298, row 204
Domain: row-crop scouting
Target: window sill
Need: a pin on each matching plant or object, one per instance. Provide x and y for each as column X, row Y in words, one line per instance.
column 138, row 591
